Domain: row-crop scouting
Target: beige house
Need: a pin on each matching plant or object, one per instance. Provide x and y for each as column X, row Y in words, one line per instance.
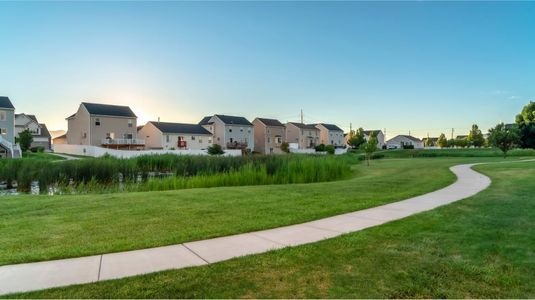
column 269, row 134
column 230, row 132
column 7, row 128
column 378, row 134
column 331, row 134
column 305, row 136
column 402, row 141
column 169, row 136
column 110, row 126
column 41, row 136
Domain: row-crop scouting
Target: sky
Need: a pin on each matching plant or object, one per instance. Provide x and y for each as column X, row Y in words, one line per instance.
column 418, row 67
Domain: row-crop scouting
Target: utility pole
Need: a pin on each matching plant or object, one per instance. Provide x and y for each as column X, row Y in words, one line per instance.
column 302, row 117
column 384, row 130
column 452, row 130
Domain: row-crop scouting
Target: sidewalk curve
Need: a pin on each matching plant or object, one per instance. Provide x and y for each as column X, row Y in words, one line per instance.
column 56, row 273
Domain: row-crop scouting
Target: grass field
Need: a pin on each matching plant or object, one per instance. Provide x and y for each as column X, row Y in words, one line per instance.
column 467, row 152
column 34, row 228
column 41, row 156
column 481, row 247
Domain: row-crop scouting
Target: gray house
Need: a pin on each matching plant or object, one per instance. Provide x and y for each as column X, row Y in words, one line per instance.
column 7, row 128
column 39, row 131
column 230, row 132
column 331, row 134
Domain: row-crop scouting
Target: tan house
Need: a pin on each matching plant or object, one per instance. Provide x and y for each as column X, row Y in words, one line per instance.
column 305, row 136
column 170, row 136
column 331, row 134
column 378, row 134
column 269, row 134
column 103, row 125
column 230, row 132
column 41, row 136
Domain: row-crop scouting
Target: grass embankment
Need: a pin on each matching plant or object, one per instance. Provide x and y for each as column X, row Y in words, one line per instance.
column 107, row 174
column 41, row 156
column 468, row 152
column 481, row 247
column 34, row 228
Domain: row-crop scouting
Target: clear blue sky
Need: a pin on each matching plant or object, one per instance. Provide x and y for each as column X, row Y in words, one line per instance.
column 419, row 66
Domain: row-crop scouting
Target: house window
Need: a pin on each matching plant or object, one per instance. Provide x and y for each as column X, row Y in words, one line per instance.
column 278, row 140
column 127, row 136
column 209, row 141
column 167, row 138
column 3, row 116
column 97, row 122
column 241, row 129
column 3, row 131
column 200, row 141
column 230, row 130
column 84, row 135
column 249, row 130
column 192, row 138
column 231, row 140
column 269, row 139
column 130, row 123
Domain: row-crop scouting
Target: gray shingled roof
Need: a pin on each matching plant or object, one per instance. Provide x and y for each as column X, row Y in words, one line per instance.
column 109, row 110
column 233, row 120
column 44, row 131
column 29, row 116
column 205, row 120
column 368, row 132
column 6, row 103
column 304, row 126
column 331, row 127
column 271, row 122
column 414, row 139
column 166, row 127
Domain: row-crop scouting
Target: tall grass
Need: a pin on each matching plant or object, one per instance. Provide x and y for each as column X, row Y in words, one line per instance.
column 164, row 172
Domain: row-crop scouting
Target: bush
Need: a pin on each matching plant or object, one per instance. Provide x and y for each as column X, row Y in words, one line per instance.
column 320, row 148
column 38, row 149
column 285, row 147
column 408, row 146
column 330, row 149
column 215, row 149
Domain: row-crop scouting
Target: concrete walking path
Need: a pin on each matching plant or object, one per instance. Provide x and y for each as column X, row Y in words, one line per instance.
column 48, row 274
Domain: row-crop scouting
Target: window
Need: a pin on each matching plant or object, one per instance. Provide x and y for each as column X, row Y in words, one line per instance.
column 192, row 138
column 127, row 136
column 130, row 123
column 3, row 116
column 230, row 130
column 167, row 138
column 209, row 141
column 269, row 139
column 200, row 141
column 278, row 140
column 97, row 122
column 241, row 129
column 84, row 135
column 3, row 130
column 231, row 140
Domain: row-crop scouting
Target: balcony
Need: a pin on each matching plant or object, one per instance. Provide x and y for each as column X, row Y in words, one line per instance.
column 182, row 144
column 122, row 142
column 236, row 145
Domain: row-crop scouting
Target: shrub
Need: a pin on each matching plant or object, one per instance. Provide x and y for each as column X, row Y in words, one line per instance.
column 330, row 149
column 408, row 146
column 320, row 148
column 285, row 147
column 215, row 149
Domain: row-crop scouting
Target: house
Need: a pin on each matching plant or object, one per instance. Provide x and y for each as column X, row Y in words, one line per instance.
column 402, row 141
column 7, row 129
column 230, row 132
column 168, row 136
column 305, row 136
column 433, row 142
column 39, row 131
column 269, row 134
column 331, row 134
column 104, row 125
column 60, row 139
column 378, row 134
column 461, row 137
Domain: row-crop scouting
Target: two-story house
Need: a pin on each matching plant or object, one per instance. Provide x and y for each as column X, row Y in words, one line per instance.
column 331, row 134
column 230, row 132
column 379, row 135
column 39, row 131
column 165, row 135
column 104, row 125
column 7, row 127
column 269, row 134
column 306, row 136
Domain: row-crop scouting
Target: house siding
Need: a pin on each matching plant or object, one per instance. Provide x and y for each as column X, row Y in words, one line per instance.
column 265, row 138
column 155, row 139
column 8, row 124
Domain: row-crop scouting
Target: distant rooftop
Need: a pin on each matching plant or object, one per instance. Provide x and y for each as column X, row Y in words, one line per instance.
column 304, row 126
column 331, row 127
column 271, row 122
column 167, row 127
column 108, row 110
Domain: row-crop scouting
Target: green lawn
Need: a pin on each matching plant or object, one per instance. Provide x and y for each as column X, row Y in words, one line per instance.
column 34, row 228
column 481, row 247
column 41, row 156
column 454, row 152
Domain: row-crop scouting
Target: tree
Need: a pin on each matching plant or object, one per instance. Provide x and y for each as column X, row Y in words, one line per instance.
column 330, row 149
column 25, row 140
column 451, row 143
column 428, row 142
column 442, row 141
column 215, row 149
column 462, row 143
column 369, row 147
column 320, row 148
column 504, row 137
column 356, row 139
column 285, row 147
column 526, row 124
column 475, row 137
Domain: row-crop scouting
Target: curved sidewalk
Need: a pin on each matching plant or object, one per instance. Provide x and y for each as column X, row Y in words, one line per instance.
column 48, row 274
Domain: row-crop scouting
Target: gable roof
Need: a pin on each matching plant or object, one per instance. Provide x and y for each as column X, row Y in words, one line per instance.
column 368, row 132
column 109, row 110
column 331, row 127
column 6, row 103
column 304, row 126
column 166, row 127
column 32, row 117
column 414, row 139
column 460, row 137
column 233, row 120
column 270, row 122
column 205, row 121
column 44, row 131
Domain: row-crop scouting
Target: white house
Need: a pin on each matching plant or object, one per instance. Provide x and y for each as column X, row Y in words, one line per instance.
column 180, row 136
column 41, row 136
column 331, row 134
column 230, row 132
column 378, row 134
column 399, row 141
column 8, row 148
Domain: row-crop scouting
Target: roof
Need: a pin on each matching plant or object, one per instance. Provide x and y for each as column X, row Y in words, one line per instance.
column 368, row 132
column 460, row 137
column 63, row 136
column 434, row 139
column 304, row 126
column 414, row 139
column 44, row 131
column 109, row 110
column 270, row 122
column 331, row 127
column 205, row 121
column 32, row 117
column 6, row 103
column 166, row 127
column 234, row 120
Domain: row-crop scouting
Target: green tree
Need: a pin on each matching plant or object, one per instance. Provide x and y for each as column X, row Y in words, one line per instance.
column 526, row 125
column 475, row 137
column 369, row 147
column 428, row 142
column 442, row 141
column 285, row 147
column 504, row 137
column 215, row 149
column 461, row 143
column 451, row 143
column 330, row 149
column 25, row 140
column 357, row 139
